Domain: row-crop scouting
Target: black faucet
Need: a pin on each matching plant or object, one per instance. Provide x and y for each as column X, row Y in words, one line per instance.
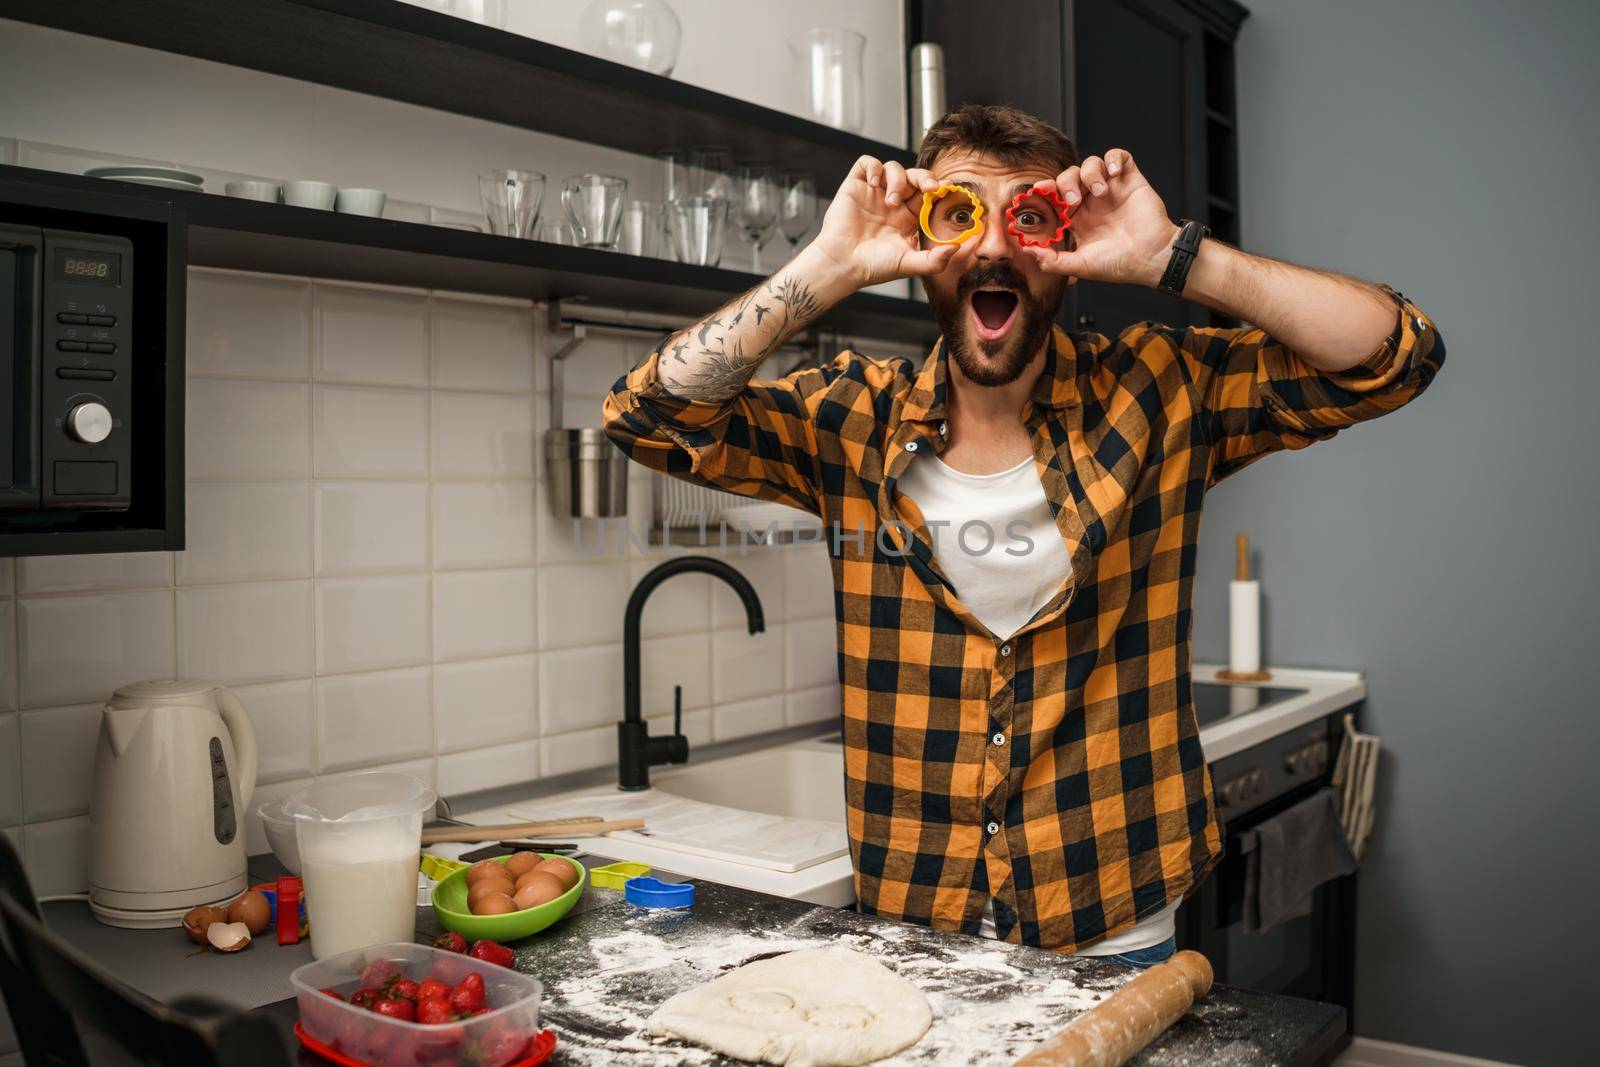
column 637, row 751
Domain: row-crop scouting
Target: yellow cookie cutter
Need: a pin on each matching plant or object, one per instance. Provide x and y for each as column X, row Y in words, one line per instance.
column 934, row 196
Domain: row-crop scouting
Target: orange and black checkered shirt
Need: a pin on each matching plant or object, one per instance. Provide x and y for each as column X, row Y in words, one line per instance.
column 1059, row 769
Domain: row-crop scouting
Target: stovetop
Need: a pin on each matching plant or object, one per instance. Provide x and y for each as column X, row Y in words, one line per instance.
column 1215, row 701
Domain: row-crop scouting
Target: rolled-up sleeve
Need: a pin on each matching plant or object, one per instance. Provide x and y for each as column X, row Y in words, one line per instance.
column 1257, row 396
column 759, row 443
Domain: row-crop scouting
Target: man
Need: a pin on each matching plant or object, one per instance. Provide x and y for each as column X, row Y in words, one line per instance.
column 1021, row 752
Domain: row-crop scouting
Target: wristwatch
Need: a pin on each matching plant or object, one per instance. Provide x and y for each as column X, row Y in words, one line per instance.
column 1184, row 250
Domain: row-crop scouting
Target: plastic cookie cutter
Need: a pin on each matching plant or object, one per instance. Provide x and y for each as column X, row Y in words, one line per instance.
column 647, row 892
column 616, row 875
column 1038, row 216
column 948, row 220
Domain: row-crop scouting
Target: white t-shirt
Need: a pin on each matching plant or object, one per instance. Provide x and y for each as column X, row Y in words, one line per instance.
column 997, row 542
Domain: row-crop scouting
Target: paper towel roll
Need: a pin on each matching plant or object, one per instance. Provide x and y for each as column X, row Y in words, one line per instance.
column 1244, row 627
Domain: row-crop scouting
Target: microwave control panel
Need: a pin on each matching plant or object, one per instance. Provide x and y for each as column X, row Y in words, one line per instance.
column 87, row 367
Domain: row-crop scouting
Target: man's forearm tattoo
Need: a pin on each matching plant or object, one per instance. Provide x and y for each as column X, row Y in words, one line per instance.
column 714, row 358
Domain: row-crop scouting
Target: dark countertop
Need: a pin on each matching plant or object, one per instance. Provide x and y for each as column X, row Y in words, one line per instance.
column 607, row 965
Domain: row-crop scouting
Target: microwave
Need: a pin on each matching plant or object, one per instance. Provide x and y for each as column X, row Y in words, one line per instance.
column 91, row 370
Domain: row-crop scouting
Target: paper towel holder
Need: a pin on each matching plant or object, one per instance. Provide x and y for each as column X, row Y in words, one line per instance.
column 1242, row 574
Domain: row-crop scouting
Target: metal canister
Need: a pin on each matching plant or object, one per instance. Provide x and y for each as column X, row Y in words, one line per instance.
column 587, row 474
column 927, row 89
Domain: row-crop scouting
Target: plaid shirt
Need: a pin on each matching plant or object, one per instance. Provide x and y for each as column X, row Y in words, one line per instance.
column 1058, row 770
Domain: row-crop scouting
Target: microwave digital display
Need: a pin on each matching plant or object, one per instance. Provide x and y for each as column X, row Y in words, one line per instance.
column 88, row 268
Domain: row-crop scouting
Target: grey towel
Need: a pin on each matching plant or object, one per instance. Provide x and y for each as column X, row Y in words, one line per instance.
column 1295, row 852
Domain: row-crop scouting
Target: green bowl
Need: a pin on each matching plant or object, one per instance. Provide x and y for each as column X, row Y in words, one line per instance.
column 450, row 905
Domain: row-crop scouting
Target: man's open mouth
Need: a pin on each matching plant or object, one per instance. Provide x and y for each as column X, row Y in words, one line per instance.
column 992, row 312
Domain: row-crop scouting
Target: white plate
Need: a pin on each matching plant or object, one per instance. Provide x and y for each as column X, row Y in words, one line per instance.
column 131, row 173
column 162, row 183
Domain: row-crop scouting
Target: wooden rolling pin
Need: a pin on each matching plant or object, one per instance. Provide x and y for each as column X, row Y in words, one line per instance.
column 590, row 827
column 1112, row 1032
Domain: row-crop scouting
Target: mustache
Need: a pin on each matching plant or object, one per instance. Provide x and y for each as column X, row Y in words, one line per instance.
column 998, row 274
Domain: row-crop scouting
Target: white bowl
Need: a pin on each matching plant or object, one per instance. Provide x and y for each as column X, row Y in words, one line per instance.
column 266, row 192
column 368, row 202
column 319, row 195
column 280, row 834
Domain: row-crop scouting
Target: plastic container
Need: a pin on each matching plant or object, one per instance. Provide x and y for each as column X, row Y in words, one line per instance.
column 500, row 1037
column 450, row 908
column 359, row 838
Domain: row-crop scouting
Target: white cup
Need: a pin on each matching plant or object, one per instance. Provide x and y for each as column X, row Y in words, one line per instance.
column 319, row 195
column 368, row 202
column 266, row 192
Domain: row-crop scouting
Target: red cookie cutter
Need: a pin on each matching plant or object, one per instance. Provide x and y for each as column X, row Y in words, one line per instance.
column 1047, row 193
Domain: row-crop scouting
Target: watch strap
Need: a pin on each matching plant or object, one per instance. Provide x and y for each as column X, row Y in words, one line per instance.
column 1184, row 251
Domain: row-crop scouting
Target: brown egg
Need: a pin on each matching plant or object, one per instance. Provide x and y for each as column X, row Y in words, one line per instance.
column 197, row 920
column 493, row 904
column 535, row 893
column 253, row 910
column 562, row 870
column 521, row 863
column 545, row 885
column 488, row 888
column 486, row 869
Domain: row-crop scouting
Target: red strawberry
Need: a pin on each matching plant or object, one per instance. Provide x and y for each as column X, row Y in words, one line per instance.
column 331, row 992
column 502, row 1045
column 449, row 970
column 380, row 973
column 469, row 995
column 430, row 988
column 396, row 1008
column 434, row 1010
column 364, row 997
column 404, row 989
column 450, row 941
column 493, row 952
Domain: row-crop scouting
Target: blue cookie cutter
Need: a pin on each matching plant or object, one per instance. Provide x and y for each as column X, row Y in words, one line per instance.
column 647, row 892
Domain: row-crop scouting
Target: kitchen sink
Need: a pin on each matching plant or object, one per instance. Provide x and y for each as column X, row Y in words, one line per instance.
column 803, row 781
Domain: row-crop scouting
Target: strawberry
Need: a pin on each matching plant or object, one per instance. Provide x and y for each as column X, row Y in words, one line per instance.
column 331, row 992
column 434, row 1010
column 449, row 970
column 493, row 952
column 404, row 989
column 450, row 941
column 364, row 997
column 502, row 1045
column 430, row 988
column 380, row 973
column 468, row 996
column 396, row 1008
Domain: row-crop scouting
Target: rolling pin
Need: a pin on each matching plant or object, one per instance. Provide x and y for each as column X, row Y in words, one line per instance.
column 1111, row 1032
column 570, row 828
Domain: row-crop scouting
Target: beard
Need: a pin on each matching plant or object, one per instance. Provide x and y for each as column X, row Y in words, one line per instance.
column 999, row 361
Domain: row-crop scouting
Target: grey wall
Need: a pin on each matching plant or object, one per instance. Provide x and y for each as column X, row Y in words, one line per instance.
column 1447, row 147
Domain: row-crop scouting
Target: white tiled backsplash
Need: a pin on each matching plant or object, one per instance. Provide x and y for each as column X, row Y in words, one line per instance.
column 372, row 566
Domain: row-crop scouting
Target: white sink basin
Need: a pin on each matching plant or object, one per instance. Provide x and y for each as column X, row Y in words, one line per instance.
column 800, row 781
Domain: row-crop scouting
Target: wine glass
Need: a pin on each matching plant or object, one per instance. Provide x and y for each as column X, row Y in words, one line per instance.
column 798, row 208
column 756, row 208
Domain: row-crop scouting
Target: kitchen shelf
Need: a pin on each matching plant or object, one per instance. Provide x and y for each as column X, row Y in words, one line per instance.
column 278, row 239
column 402, row 52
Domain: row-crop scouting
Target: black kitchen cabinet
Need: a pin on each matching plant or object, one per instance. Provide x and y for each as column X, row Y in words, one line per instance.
column 1154, row 77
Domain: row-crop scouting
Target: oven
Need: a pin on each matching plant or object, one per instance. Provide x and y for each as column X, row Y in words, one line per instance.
column 1312, row 956
column 91, row 372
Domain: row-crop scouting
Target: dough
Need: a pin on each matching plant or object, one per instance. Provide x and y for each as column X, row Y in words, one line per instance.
column 811, row 1008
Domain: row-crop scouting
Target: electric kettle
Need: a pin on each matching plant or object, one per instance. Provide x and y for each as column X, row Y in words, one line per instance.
column 174, row 767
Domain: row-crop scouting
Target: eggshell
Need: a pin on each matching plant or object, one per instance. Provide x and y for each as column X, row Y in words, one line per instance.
column 521, row 863
column 485, row 869
column 538, row 887
column 488, row 887
column 197, row 920
column 562, row 870
column 493, row 904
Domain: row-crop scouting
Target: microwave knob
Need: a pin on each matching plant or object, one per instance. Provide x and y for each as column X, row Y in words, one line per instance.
column 89, row 422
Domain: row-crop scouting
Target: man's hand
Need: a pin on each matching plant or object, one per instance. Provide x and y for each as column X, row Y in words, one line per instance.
column 1120, row 228
column 870, row 231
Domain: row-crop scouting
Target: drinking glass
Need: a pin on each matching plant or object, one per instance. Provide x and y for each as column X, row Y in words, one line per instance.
column 798, row 208
column 511, row 200
column 709, row 170
column 675, row 181
column 756, row 209
column 556, row 232
column 830, row 74
column 594, row 206
column 699, row 224
column 641, row 228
